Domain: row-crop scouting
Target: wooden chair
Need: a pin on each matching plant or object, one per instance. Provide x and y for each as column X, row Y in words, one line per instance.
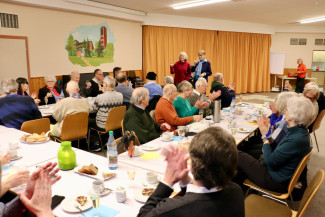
column 316, row 125
column 36, row 126
column 74, row 127
column 113, row 122
column 293, row 182
column 152, row 114
column 122, row 127
column 256, row 206
column 120, row 149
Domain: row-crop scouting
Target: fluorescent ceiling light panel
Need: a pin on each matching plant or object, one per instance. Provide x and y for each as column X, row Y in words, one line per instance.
column 197, row 3
column 313, row 20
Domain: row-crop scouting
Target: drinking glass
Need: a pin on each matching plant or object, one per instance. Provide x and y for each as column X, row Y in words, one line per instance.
column 201, row 112
column 230, row 120
column 240, row 98
column 46, row 100
column 233, row 131
column 95, row 197
column 180, row 131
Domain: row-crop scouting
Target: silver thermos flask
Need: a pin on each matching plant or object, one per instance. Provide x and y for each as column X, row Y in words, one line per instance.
column 216, row 111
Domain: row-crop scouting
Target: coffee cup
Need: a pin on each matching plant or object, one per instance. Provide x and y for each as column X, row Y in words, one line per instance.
column 13, row 145
column 13, row 152
column 99, row 185
column 167, row 136
column 152, row 178
column 120, row 194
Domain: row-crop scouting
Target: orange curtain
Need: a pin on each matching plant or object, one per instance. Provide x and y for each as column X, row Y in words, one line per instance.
column 243, row 58
column 161, row 46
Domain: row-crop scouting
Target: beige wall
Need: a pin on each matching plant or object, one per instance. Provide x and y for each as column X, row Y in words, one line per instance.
column 281, row 43
column 47, row 31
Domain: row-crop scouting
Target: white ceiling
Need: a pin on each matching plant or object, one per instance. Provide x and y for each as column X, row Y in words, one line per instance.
column 272, row 12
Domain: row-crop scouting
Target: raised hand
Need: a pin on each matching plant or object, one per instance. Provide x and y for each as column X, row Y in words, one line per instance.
column 40, row 202
column 176, row 169
column 197, row 118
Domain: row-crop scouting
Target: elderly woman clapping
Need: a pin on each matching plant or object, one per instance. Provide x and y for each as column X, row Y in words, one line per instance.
column 49, row 92
column 182, row 105
column 281, row 161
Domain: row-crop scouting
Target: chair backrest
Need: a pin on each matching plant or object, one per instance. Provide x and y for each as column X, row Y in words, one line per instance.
column 318, row 121
column 75, row 126
column 310, row 192
column 121, row 149
column 298, row 171
column 152, row 114
column 122, row 127
column 114, row 118
column 36, row 126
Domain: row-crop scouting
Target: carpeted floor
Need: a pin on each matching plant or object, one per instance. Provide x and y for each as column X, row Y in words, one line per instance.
column 316, row 207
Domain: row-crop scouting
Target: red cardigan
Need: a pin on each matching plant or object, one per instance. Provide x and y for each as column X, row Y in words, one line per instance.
column 182, row 71
column 302, row 69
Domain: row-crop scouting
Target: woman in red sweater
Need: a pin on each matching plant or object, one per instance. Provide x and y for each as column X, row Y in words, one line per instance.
column 301, row 74
column 181, row 69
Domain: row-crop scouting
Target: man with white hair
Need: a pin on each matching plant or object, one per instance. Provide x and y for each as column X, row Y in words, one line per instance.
column 165, row 110
column 168, row 80
column 137, row 119
column 199, row 93
column 227, row 93
column 123, row 87
column 74, row 76
column 16, row 109
column 70, row 105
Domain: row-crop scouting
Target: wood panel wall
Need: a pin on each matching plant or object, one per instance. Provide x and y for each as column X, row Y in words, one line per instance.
column 35, row 83
column 286, row 72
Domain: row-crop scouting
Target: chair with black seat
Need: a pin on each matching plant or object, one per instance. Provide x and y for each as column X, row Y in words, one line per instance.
column 74, row 127
column 256, row 206
column 113, row 122
column 316, row 126
column 36, row 126
column 294, row 179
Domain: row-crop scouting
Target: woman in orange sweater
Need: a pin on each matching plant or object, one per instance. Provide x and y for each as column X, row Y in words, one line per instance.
column 301, row 74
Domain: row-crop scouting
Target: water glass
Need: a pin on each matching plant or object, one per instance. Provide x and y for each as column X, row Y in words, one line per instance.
column 233, row 131
column 95, row 198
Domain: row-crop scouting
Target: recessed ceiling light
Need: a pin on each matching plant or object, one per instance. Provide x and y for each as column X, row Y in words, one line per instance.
column 313, row 20
column 196, row 3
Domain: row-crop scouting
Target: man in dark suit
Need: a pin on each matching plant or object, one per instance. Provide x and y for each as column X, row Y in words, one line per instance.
column 227, row 93
column 213, row 155
column 94, row 86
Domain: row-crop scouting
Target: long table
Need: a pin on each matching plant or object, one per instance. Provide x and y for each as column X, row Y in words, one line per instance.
column 293, row 78
column 73, row 184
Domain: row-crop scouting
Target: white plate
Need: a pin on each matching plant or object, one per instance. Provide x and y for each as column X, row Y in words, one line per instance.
column 43, row 107
column 68, row 204
column 244, row 130
column 167, row 140
column 17, row 157
column 48, row 139
column 98, row 176
column 150, row 147
column 139, row 197
column 105, row 192
column 137, row 151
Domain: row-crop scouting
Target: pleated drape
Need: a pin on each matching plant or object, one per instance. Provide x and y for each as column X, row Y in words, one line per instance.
column 243, row 58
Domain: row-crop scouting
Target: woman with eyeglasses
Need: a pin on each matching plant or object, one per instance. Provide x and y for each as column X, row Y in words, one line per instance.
column 23, row 87
column 49, row 92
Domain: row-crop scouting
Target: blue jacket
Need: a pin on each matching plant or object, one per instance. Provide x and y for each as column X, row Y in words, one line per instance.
column 283, row 161
column 206, row 68
column 16, row 109
column 154, row 89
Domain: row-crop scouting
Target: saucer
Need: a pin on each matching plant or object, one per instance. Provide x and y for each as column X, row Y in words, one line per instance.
column 167, row 140
column 105, row 192
column 17, row 157
column 145, row 183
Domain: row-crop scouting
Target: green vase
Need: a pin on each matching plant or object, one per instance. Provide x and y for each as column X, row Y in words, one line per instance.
column 66, row 156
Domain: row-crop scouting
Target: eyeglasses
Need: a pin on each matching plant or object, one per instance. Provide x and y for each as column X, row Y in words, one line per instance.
column 49, row 81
